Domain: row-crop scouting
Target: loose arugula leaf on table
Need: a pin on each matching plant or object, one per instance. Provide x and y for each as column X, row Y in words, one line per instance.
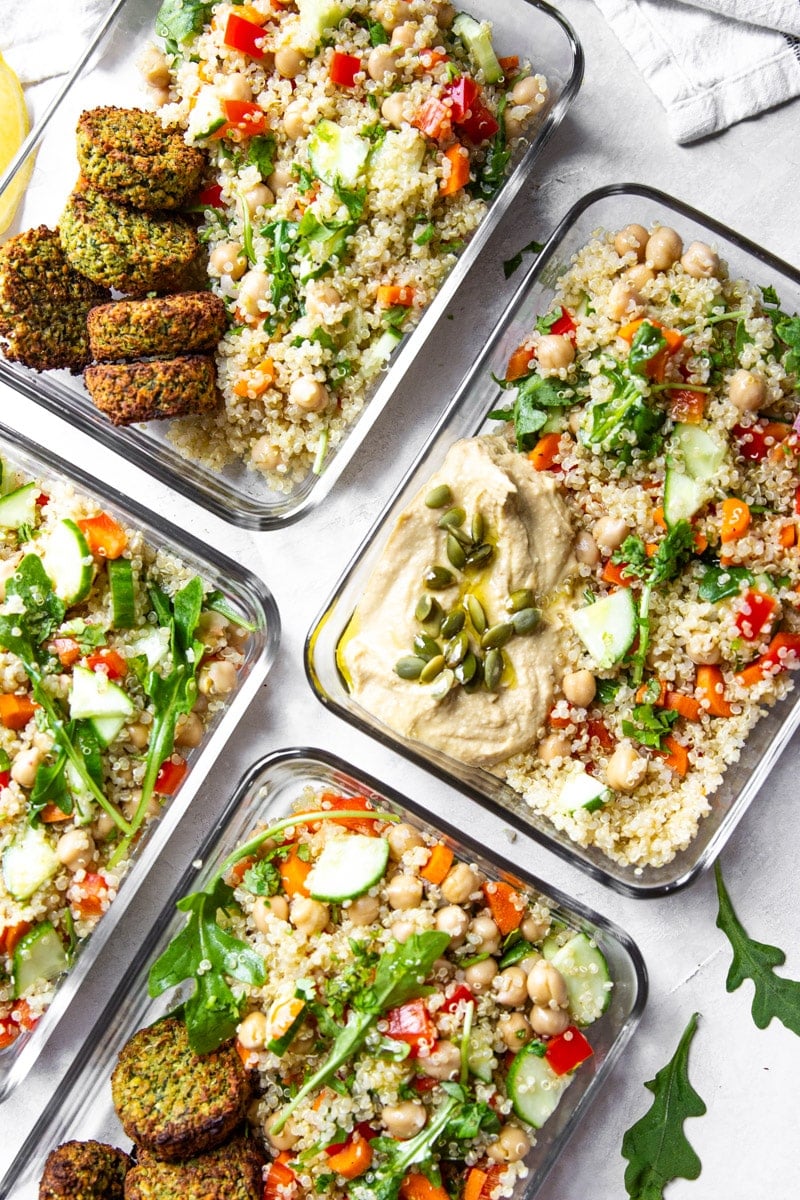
column 656, row 1147
column 774, row 996
column 515, row 262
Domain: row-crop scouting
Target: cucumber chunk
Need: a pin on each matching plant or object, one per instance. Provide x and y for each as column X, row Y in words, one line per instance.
column 28, row 862
column 607, row 627
column 123, row 598
column 19, row 507
column 481, row 1062
column 68, row 561
column 586, row 975
column 95, row 695
column 582, row 790
column 107, row 728
column 477, row 38
column 534, row 1087
column 316, row 16
column 347, row 867
column 683, row 496
column 379, row 351
column 337, row 154
column 694, row 459
column 39, row 957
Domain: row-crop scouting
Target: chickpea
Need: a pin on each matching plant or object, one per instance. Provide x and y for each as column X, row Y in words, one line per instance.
column 258, row 197
column 252, row 1031
column 26, row 766
column 515, row 1030
column 253, row 294
column 484, row 934
column 511, row 987
column 632, row 238
column 579, row 687
column 102, row 827
column 189, row 730
column 555, row 745
column 610, row 533
column 289, row 62
column 453, row 920
column 364, row 910
column 235, row 86
column 401, row 839
column 279, row 180
column 321, row 295
column 746, row 391
column 404, row 891
column 395, row 108
column 511, row 1146
column 309, row 394
column 217, row 678
column 530, row 960
column 525, row 91
column 533, row 929
column 401, row 931
column 624, row 302
column 75, row 849
column 405, row 35
column 586, row 550
column 160, row 96
column 443, row 1063
column 700, row 261
column 546, row 986
column 285, row 1140
column 382, row 61
column 554, row 351
column 625, row 769
column 639, row 275
column 480, row 975
column 154, row 67
column 402, row 1121
column 227, row 259
column 702, row 650
column 459, row 884
column 264, row 909
column 664, row 247
column 549, row 1021
column 265, row 454
column 308, row 916
column 514, row 122
column 279, row 907
column 150, row 813
column 392, row 13
column 295, row 119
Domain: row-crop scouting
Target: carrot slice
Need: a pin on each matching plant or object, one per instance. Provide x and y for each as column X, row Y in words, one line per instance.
column 677, row 756
column 687, row 706
column 294, row 872
column 106, row 537
column 416, row 1186
column 711, row 683
column 392, row 295
column 438, row 864
column 353, row 1159
column 16, row 711
column 507, row 905
column 613, row 575
column 474, row 1185
column 520, row 363
column 51, row 814
column 787, row 536
column 735, row 519
column 458, row 176
column 544, row 454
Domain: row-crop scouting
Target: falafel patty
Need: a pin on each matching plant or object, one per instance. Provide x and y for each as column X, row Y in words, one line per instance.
column 129, row 155
column 84, row 1171
column 153, row 390
column 188, row 323
column 173, row 1102
column 124, row 248
column 43, row 303
column 231, row 1172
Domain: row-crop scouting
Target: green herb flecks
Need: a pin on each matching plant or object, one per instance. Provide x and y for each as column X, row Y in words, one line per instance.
column 648, row 341
column 650, row 725
column 492, row 171
column 624, row 423
column 535, row 401
column 512, row 265
column 283, row 285
column 178, row 21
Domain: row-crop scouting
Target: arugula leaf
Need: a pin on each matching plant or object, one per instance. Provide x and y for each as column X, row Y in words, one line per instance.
column 719, row 583
column 216, row 601
column 261, row 153
column 650, row 725
column 770, row 296
column 179, row 20
column 395, row 1158
column 624, row 422
column 43, row 611
column 788, row 331
column 283, row 287
column 492, row 172
column 470, row 1118
column 515, row 262
column 656, row 1147
column 50, row 788
column 88, row 637
column 648, row 341
column 774, row 996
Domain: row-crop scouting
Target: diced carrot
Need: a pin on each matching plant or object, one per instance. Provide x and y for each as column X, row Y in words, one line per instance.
column 520, row 363
column 458, row 176
column 559, row 722
column 66, row 650
column 329, row 802
column 391, row 295
column 51, row 814
column 700, row 543
column 544, row 453
column 644, row 693
column 280, row 1177
column 788, row 536
column 256, row 381
column 613, row 575
column 12, row 935
column 431, row 58
column 650, row 549
column 474, row 1185
column 509, row 63
column 735, row 519
column 294, row 872
column 677, row 756
column 106, row 537
column 506, row 904
column 689, row 708
column 687, row 406
column 16, row 711
column 783, row 653
column 353, row 1159
column 658, row 518
column 244, row 1053
column 93, row 898
column 628, row 332
column 416, row 1186
column 251, row 14
column 710, row 682
column 438, row 864
column 238, row 871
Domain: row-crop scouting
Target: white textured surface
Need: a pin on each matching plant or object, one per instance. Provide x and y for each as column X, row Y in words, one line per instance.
column 748, row 1141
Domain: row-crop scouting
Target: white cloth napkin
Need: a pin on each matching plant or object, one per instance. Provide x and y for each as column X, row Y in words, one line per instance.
column 43, row 38
column 711, row 63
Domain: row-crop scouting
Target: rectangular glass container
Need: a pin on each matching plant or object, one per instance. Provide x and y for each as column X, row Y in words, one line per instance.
column 83, row 1110
column 607, row 208
column 107, row 74
column 254, row 602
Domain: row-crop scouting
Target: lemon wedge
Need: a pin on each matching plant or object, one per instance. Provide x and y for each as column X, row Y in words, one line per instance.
column 13, row 131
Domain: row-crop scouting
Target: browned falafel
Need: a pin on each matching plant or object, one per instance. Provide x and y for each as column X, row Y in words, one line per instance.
column 173, row 1102
column 189, row 323
column 153, row 390
column 84, row 1171
column 43, row 303
column 128, row 154
column 232, row 1171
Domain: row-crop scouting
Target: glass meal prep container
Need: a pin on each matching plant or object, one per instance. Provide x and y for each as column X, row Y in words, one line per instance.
column 252, row 601
column 107, row 74
column 83, row 1108
column 609, row 208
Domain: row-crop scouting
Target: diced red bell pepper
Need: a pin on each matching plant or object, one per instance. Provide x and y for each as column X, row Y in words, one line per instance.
column 480, row 125
column 92, row 897
column 279, row 1179
column 66, row 650
column 757, row 440
column 170, row 776
column 211, row 197
column 411, row 1023
column 434, row 119
column 344, row 68
column 106, row 537
column 687, row 405
column 797, row 501
column 462, row 93
column 423, row 1083
column 9, row 1032
column 243, row 116
column 245, row 36
column 42, row 499
column 468, row 111
column 783, row 655
column 565, row 324
column 109, row 662
column 5, row 778
column 363, row 1129
column 599, row 730
column 567, row 1051
column 756, row 612
column 455, row 994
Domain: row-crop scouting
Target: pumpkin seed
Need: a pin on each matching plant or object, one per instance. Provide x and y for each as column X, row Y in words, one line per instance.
column 439, row 496
column 453, row 623
column 456, row 553
column 493, row 669
column 436, row 578
column 432, row 669
column 477, row 679
column 426, row 647
column 523, row 598
column 526, row 620
column 452, row 518
column 443, row 684
column 409, row 667
column 465, row 671
column 480, row 555
column 426, row 605
column 497, row 635
column 476, row 613
column 456, row 649
column 461, row 535
column 478, row 526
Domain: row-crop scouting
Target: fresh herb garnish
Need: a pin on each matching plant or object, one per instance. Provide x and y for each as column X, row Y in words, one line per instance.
column 650, row 725
column 719, row 583
column 545, row 324
column 261, row 153
column 88, row 637
column 607, row 690
column 283, row 286
column 178, row 21
column 534, row 395
column 498, row 154
column 648, row 341
column 624, row 422
column 515, row 262
column 263, row 878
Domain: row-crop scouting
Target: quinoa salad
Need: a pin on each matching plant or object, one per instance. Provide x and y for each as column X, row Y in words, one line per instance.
column 649, row 604
column 353, row 149
column 115, row 660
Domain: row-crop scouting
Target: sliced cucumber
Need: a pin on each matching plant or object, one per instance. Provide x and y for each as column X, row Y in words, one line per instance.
column 337, row 154
column 694, row 459
column 39, row 957
column 84, row 801
column 481, row 1062
column 69, row 563
column 582, row 790
column 587, row 977
column 607, row 627
column 28, row 862
column 315, row 17
column 93, row 694
column 701, row 451
column 153, row 645
column 107, row 729
column 347, row 867
column 534, row 1087
column 123, row 595
column 683, row 496
column 477, row 38
column 378, row 352
column 19, row 507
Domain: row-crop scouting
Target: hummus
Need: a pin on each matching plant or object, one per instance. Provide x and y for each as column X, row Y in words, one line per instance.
column 527, row 523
